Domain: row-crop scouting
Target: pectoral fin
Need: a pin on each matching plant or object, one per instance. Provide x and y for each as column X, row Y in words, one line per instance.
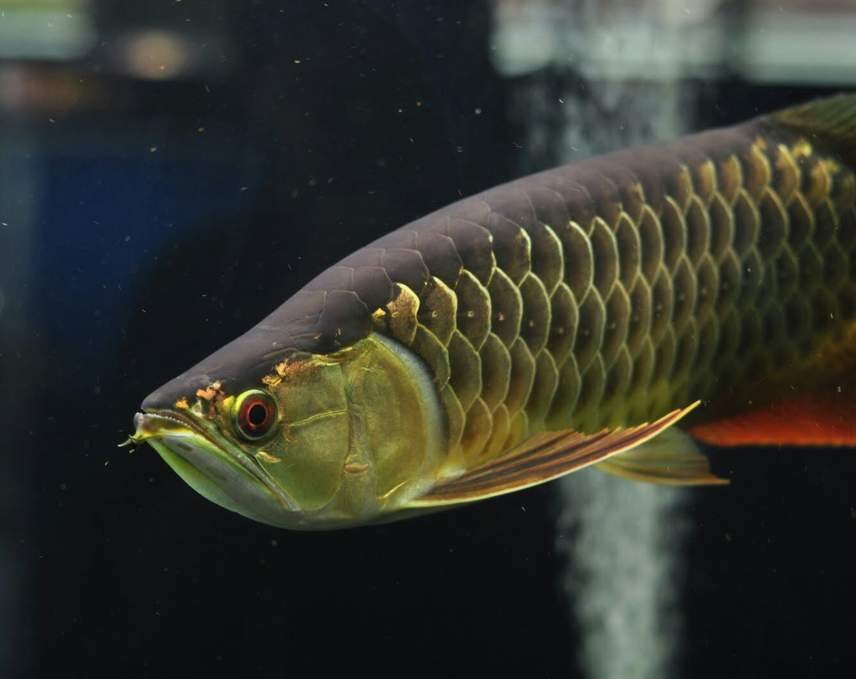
column 672, row 459
column 542, row 458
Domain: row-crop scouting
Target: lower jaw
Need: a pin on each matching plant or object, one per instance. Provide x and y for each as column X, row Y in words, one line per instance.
column 265, row 508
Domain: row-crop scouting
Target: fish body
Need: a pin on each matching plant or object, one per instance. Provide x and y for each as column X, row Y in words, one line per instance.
column 565, row 319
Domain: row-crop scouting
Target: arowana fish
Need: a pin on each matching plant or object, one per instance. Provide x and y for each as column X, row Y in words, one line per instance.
column 568, row 319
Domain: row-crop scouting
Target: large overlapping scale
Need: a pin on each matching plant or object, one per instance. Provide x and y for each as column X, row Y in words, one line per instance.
column 608, row 292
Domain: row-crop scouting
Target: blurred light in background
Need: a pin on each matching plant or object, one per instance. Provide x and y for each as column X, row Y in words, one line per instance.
column 151, row 40
column 156, row 54
column 809, row 41
column 800, row 44
column 46, row 29
column 28, row 88
column 164, row 40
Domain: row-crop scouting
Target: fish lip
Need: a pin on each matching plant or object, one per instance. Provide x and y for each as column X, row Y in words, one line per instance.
column 246, row 463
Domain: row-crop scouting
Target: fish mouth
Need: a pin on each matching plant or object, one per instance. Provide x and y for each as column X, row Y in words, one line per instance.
column 156, row 423
column 163, row 428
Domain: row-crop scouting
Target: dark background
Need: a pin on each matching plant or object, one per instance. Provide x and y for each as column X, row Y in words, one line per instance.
column 164, row 218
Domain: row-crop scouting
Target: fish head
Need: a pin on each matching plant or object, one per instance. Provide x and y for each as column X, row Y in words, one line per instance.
column 316, row 441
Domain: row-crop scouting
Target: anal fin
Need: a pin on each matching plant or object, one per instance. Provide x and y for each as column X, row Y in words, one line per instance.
column 819, row 416
column 672, row 459
column 544, row 457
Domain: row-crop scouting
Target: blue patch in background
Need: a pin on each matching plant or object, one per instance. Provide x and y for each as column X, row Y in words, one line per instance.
column 103, row 216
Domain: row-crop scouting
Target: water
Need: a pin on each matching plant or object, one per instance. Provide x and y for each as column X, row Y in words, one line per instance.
column 172, row 172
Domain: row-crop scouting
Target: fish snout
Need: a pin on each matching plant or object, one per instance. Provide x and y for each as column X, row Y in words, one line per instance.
column 160, row 399
column 144, row 427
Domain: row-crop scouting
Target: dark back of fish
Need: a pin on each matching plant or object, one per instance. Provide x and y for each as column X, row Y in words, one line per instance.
column 609, row 291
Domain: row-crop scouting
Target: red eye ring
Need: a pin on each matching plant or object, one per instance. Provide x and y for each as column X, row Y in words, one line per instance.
column 254, row 414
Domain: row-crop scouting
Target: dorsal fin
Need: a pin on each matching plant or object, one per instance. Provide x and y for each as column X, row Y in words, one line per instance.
column 542, row 458
column 832, row 120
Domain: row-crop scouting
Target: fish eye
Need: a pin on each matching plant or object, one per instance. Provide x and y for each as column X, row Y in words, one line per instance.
column 254, row 414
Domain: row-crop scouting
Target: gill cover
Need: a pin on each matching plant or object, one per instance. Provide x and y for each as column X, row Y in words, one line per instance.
column 360, row 431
